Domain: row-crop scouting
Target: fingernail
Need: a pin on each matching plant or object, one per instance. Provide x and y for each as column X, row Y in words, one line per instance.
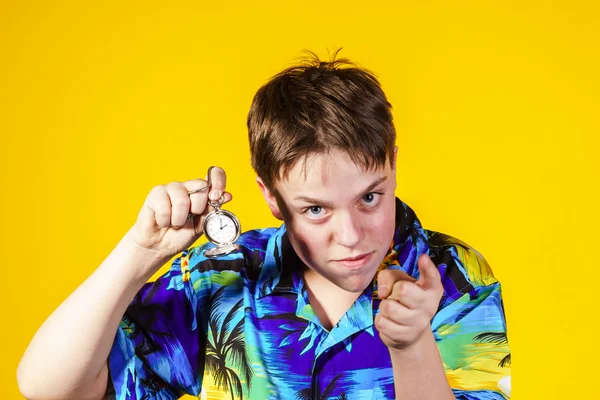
column 214, row 195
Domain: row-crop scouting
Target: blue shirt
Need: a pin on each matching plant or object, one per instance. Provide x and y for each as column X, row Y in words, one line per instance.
column 241, row 326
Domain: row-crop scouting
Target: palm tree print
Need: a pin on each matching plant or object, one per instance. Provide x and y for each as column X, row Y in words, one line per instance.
column 496, row 338
column 306, row 394
column 226, row 343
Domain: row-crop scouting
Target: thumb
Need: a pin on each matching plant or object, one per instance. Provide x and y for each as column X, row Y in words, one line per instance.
column 429, row 274
column 386, row 280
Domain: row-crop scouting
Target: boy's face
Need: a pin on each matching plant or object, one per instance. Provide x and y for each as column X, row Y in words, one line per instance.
column 338, row 212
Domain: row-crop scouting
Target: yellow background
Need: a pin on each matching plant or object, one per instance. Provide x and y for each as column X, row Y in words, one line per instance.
column 495, row 103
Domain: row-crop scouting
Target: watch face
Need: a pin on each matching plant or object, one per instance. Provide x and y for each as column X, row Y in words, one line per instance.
column 221, row 227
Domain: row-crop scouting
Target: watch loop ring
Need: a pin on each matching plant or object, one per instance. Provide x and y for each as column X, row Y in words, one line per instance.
column 205, row 188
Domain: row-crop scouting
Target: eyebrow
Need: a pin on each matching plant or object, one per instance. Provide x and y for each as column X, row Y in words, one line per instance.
column 327, row 204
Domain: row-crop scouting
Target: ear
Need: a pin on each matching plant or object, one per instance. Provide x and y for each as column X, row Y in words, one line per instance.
column 269, row 198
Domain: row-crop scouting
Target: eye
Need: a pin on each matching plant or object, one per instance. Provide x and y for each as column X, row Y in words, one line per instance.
column 371, row 199
column 314, row 212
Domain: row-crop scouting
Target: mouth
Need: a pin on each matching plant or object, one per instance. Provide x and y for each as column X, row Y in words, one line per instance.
column 356, row 261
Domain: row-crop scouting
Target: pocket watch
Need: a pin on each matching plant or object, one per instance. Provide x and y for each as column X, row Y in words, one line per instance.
column 222, row 228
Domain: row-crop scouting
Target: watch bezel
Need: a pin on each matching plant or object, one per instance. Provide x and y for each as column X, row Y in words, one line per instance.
column 236, row 222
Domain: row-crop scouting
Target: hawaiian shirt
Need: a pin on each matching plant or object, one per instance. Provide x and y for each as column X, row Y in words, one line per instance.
column 241, row 326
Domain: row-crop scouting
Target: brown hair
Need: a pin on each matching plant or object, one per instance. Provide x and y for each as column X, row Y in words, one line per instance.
column 314, row 107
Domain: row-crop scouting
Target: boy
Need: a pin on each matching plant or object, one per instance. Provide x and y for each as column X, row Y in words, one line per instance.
column 349, row 298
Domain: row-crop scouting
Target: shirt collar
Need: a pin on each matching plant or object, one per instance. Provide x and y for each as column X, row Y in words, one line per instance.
column 409, row 242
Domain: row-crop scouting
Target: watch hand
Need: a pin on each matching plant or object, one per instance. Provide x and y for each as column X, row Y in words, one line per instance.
column 223, row 226
column 221, row 223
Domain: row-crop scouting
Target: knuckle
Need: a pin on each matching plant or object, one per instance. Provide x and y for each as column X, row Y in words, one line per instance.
column 162, row 215
column 401, row 288
column 383, row 307
column 156, row 190
column 174, row 185
column 163, row 222
column 180, row 201
column 162, row 210
column 388, row 307
column 379, row 322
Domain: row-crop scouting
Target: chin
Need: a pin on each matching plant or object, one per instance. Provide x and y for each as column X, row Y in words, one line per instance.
column 355, row 284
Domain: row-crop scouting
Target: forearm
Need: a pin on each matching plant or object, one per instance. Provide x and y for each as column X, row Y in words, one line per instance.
column 419, row 372
column 70, row 350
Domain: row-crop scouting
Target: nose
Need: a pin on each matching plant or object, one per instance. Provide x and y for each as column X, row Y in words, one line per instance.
column 348, row 230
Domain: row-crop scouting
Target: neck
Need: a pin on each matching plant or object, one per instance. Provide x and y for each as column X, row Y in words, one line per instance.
column 329, row 301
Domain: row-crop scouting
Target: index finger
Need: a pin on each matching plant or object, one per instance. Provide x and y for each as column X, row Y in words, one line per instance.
column 386, row 280
column 430, row 275
column 409, row 294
